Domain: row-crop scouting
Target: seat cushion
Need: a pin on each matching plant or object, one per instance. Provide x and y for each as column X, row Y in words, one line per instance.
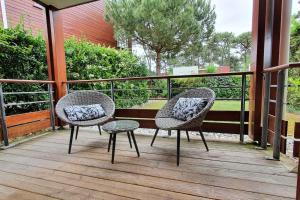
column 187, row 108
column 84, row 112
column 168, row 123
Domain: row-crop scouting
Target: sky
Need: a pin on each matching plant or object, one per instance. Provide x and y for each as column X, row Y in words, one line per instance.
column 236, row 15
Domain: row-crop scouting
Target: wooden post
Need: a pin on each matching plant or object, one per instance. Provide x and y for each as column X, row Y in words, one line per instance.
column 257, row 63
column 57, row 70
column 296, row 149
column 55, row 51
column 298, row 182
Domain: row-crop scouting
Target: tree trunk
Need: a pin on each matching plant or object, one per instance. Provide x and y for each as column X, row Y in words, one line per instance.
column 158, row 63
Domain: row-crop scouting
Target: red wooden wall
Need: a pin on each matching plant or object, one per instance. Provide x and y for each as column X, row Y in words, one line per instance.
column 80, row 21
column 88, row 21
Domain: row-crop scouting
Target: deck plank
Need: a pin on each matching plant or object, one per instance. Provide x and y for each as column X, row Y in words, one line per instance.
column 228, row 171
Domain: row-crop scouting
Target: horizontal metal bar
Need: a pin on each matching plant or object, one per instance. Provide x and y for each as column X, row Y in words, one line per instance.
column 282, row 67
column 289, row 85
column 18, row 93
column 25, row 103
column 18, row 81
column 159, row 77
column 224, row 87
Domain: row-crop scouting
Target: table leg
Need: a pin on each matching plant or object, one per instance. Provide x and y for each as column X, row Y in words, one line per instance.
column 134, row 142
column 109, row 142
column 113, row 148
column 129, row 139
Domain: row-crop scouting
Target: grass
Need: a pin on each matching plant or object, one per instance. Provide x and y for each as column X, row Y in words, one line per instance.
column 228, row 105
column 218, row 105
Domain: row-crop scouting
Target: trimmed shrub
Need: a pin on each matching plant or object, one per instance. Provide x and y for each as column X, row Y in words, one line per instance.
column 23, row 56
column 86, row 60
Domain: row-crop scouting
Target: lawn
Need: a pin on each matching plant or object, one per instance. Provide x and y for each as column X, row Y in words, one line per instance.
column 227, row 105
column 218, row 105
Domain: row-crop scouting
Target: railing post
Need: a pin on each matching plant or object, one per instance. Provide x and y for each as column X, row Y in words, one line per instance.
column 112, row 90
column 242, row 117
column 278, row 113
column 68, row 88
column 169, row 86
column 52, row 114
column 3, row 118
column 264, row 137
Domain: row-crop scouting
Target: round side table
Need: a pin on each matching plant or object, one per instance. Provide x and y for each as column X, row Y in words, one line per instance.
column 118, row 126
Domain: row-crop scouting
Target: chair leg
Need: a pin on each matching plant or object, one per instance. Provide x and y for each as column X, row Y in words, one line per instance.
column 99, row 127
column 77, row 129
column 135, row 144
column 203, row 139
column 155, row 134
column 109, row 142
column 187, row 135
column 178, row 146
column 71, row 139
column 113, row 148
column 129, row 139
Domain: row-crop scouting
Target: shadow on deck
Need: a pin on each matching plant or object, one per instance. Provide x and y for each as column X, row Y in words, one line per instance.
column 42, row 169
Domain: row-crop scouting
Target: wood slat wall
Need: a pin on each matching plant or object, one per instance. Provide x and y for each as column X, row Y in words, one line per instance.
column 218, row 121
column 88, row 21
column 81, row 21
column 23, row 124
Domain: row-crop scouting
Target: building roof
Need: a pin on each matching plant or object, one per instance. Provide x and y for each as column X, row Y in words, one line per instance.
column 59, row 4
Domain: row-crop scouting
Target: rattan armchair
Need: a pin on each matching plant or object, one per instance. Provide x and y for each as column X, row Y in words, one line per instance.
column 165, row 121
column 84, row 98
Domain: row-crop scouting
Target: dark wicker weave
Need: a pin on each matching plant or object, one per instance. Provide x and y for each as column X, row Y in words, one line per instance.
column 84, row 98
column 165, row 121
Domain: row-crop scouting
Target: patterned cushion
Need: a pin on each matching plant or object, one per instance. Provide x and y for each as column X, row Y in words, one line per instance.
column 187, row 108
column 84, row 112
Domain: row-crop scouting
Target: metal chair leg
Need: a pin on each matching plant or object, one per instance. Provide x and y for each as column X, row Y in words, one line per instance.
column 178, row 146
column 109, row 142
column 71, row 139
column 99, row 127
column 204, row 141
column 77, row 129
column 135, row 144
column 155, row 134
column 129, row 139
column 187, row 135
column 113, row 148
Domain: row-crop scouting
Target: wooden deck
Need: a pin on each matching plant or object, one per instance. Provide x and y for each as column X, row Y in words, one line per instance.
column 42, row 169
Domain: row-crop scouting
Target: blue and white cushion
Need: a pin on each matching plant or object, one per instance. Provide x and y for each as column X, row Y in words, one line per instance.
column 84, row 112
column 187, row 108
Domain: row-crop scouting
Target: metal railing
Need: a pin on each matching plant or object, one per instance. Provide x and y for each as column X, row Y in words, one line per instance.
column 171, row 89
column 4, row 104
column 281, row 75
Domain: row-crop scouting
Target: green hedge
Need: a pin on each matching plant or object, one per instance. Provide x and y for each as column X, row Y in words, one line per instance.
column 86, row 60
column 23, row 56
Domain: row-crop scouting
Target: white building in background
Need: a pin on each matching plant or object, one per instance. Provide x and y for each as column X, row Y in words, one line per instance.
column 185, row 70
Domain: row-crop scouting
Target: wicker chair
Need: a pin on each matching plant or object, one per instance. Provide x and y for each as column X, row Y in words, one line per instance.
column 84, row 98
column 165, row 121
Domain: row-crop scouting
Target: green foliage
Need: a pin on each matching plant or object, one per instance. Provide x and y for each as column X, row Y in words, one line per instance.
column 294, row 94
column 215, row 83
column 162, row 26
column 222, row 48
column 86, row 60
column 23, row 56
column 243, row 47
column 211, row 69
column 295, row 39
column 294, row 74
